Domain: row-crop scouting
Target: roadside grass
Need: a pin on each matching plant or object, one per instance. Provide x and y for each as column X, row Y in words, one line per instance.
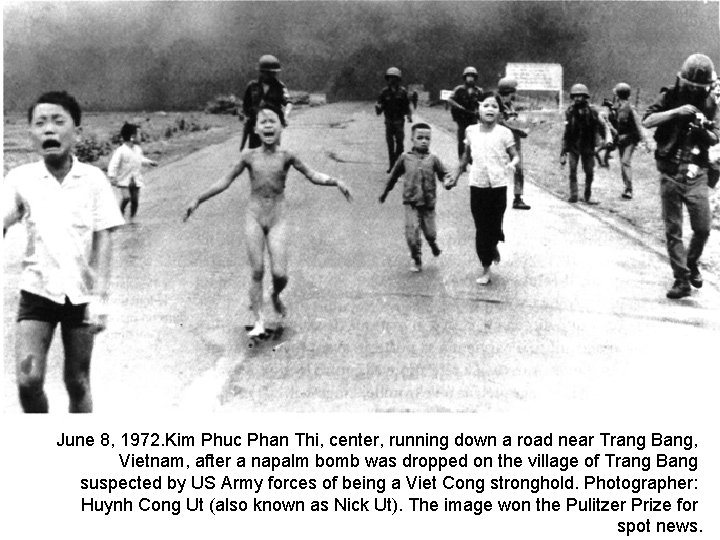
column 166, row 136
column 541, row 151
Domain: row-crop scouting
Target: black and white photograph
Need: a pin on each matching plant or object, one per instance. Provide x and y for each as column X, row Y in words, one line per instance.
column 381, row 211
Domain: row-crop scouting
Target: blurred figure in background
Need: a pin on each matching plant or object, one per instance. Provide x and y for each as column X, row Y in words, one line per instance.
column 507, row 89
column 608, row 114
column 125, row 169
column 583, row 129
column 464, row 105
column 394, row 103
column 266, row 90
column 629, row 134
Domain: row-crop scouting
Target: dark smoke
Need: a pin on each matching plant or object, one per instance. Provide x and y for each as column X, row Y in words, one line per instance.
column 178, row 55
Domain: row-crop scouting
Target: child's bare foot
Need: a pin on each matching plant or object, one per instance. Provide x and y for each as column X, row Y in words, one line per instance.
column 278, row 305
column 417, row 264
column 257, row 330
column 484, row 278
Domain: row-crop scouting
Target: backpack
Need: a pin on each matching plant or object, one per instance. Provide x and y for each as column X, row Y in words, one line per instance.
column 612, row 114
column 626, row 125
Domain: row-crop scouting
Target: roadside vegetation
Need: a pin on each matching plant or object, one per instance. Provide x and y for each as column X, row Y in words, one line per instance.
column 165, row 136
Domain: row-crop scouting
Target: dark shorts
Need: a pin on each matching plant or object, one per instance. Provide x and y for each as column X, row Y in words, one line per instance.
column 38, row 308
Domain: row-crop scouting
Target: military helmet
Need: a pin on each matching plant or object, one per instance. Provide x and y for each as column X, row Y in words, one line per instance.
column 507, row 85
column 697, row 70
column 393, row 72
column 579, row 90
column 622, row 90
column 268, row 62
column 470, row 71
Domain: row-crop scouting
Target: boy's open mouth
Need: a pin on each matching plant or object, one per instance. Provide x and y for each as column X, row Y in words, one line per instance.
column 50, row 144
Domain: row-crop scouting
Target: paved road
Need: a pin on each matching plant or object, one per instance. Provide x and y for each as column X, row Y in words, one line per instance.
column 576, row 316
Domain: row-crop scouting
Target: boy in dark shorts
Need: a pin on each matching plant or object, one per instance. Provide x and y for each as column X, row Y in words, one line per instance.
column 69, row 210
column 265, row 222
column 419, row 168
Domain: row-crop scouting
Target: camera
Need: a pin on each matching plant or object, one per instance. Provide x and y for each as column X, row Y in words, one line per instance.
column 701, row 122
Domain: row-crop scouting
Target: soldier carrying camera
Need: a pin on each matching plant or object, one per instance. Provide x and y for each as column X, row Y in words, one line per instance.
column 684, row 116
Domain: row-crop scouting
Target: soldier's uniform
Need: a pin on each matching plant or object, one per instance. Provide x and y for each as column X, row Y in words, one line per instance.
column 394, row 103
column 682, row 159
column 257, row 93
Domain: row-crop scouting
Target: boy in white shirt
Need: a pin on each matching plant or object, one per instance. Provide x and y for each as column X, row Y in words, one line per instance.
column 69, row 211
column 125, row 169
column 491, row 148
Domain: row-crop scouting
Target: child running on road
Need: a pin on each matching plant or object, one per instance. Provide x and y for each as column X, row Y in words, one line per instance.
column 265, row 222
column 69, row 212
column 419, row 168
column 491, row 147
column 125, row 169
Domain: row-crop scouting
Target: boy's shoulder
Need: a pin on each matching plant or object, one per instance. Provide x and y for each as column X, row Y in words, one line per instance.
column 22, row 174
column 436, row 158
column 36, row 170
column 26, row 169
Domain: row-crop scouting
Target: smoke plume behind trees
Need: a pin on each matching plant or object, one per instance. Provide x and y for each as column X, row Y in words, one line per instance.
column 178, row 55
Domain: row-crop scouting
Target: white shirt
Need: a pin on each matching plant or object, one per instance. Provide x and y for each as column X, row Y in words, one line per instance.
column 126, row 163
column 60, row 220
column 489, row 154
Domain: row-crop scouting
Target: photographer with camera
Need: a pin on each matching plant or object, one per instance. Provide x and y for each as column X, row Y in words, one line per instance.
column 684, row 116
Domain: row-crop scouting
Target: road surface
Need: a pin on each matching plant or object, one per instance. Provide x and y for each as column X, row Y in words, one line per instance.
column 575, row 317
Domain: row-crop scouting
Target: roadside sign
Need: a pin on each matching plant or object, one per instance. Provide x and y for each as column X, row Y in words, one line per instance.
column 445, row 94
column 531, row 76
column 536, row 76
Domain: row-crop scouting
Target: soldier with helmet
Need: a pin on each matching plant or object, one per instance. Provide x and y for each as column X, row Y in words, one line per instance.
column 583, row 128
column 629, row 134
column 464, row 105
column 267, row 90
column 507, row 89
column 684, row 116
column 394, row 102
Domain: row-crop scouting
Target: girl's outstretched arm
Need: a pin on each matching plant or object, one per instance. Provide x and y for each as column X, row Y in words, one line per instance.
column 218, row 187
column 319, row 178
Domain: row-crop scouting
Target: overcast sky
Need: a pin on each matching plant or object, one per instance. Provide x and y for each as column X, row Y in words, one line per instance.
column 179, row 54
